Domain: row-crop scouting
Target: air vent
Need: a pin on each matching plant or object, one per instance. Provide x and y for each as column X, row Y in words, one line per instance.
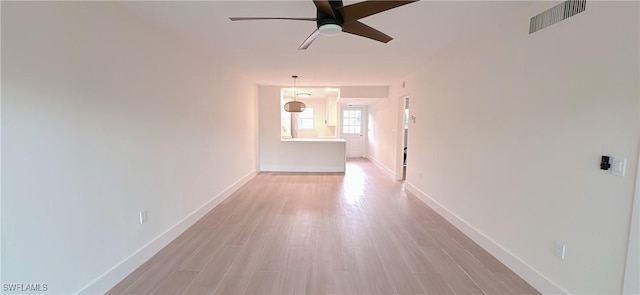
column 555, row 14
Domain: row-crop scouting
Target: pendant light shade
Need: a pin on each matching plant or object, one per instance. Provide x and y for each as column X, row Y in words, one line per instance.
column 294, row 106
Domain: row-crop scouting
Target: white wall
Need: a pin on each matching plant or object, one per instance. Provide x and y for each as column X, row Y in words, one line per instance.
column 509, row 132
column 347, row 92
column 103, row 116
column 383, row 132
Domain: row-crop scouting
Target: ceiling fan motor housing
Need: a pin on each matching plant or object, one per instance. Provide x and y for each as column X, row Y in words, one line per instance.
column 324, row 19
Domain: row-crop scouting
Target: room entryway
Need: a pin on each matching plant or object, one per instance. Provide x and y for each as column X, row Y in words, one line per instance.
column 406, row 137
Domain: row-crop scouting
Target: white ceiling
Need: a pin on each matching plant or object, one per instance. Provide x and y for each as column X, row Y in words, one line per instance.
column 266, row 51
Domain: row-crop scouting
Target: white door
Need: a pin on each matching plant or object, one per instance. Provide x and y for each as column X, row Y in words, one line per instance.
column 353, row 125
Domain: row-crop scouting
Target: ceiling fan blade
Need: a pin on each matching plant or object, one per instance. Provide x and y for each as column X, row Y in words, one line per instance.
column 359, row 10
column 309, row 40
column 324, row 6
column 360, row 29
column 273, row 18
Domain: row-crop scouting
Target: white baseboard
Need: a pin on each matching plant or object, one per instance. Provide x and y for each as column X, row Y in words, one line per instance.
column 384, row 168
column 521, row 268
column 121, row 270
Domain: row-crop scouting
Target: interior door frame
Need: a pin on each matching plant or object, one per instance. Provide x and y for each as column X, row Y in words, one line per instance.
column 363, row 123
column 631, row 282
column 399, row 169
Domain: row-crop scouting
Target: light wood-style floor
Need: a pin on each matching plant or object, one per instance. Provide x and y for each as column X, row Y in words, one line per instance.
column 352, row 233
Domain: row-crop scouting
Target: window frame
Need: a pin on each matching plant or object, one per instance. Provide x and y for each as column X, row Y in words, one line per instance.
column 311, row 119
column 352, row 121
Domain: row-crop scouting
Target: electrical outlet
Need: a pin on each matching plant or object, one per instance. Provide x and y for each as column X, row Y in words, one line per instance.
column 560, row 250
column 143, row 216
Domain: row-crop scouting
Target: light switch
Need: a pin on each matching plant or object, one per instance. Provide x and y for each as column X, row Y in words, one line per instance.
column 618, row 166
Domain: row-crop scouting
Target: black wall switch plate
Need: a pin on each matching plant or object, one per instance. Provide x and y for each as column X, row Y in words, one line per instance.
column 604, row 163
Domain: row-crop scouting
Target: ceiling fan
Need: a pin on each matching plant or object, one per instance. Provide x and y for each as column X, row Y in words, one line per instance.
column 333, row 18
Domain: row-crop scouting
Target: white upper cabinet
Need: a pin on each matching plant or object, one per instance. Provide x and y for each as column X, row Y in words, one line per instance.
column 332, row 110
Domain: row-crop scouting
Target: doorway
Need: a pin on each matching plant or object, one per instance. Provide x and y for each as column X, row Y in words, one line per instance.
column 353, row 130
column 406, row 137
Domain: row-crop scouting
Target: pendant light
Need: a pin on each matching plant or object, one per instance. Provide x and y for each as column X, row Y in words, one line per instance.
column 294, row 106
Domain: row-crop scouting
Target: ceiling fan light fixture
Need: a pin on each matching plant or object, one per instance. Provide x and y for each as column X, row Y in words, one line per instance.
column 330, row 29
column 332, row 15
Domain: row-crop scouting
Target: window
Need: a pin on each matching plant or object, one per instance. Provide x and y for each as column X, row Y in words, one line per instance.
column 351, row 120
column 306, row 119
